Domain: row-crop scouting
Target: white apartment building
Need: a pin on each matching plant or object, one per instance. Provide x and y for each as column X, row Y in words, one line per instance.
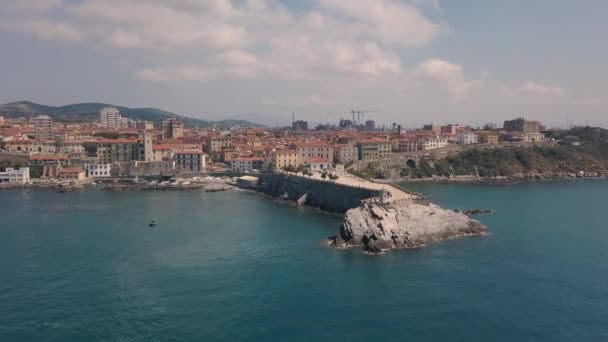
column 110, row 117
column 98, row 170
column 247, row 164
column 466, row 138
column 17, row 176
column 432, row 143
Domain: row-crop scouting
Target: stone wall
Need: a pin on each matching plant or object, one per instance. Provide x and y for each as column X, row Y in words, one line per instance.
column 326, row 195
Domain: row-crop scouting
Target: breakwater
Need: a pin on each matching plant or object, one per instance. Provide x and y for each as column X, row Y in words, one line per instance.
column 326, row 195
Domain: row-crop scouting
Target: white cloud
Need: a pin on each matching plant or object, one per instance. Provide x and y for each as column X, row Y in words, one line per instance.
column 539, row 89
column 450, row 76
column 216, row 38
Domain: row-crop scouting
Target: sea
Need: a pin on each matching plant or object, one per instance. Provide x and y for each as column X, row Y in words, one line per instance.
column 240, row 266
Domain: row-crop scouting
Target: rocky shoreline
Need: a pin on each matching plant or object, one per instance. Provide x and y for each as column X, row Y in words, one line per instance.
column 378, row 228
column 515, row 179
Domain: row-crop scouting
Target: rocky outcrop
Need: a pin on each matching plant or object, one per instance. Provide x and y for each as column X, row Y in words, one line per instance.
column 378, row 227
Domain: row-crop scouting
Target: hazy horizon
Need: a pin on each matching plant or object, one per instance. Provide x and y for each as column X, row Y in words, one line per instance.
column 416, row 61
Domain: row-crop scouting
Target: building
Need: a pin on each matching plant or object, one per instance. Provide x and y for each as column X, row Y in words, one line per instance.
column 299, row 125
column 117, row 150
column 172, row 128
column 284, row 158
column 41, row 159
column 97, row 170
column 467, row 138
column 315, row 149
column 15, row 176
column 407, row 145
column 247, row 164
column 374, row 149
column 217, row 144
column 450, row 129
column 144, row 125
column 522, row 125
column 319, row 164
column 72, row 174
column 534, row 137
column 110, row 117
column 189, row 162
column 370, row 125
column 43, row 125
column 431, row 143
column 487, row 137
column 432, row 128
column 345, row 153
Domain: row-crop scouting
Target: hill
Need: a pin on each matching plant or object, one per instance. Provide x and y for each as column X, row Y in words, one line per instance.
column 89, row 112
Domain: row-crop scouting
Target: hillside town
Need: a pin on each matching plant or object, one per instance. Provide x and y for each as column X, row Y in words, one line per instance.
column 117, row 147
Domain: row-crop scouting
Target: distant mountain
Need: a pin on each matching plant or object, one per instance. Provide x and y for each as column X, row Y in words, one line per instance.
column 89, row 112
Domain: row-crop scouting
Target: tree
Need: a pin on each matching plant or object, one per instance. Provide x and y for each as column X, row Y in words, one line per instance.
column 324, row 175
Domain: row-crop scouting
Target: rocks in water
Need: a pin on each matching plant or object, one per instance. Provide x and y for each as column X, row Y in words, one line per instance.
column 471, row 212
column 378, row 227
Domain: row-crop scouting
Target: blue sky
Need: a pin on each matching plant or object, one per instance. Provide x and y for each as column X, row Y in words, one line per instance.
column 416, row 61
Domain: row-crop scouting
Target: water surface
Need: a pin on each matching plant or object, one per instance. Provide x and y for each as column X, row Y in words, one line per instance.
column 237, row 266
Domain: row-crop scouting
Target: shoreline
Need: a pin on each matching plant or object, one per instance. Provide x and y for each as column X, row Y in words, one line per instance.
column 512, row 180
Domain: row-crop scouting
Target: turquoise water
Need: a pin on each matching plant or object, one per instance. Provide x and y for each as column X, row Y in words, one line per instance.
column 234, row 266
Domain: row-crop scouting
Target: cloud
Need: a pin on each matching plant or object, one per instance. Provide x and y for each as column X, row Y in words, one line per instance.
column 539, row 89
column 450, row 76
column 216, row 38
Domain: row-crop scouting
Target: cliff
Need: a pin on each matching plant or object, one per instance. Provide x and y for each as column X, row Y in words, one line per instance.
column 407, row 225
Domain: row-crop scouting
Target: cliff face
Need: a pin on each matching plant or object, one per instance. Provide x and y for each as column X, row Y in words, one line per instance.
column 408, row 225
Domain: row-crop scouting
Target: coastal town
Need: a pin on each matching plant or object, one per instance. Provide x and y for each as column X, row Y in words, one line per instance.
column 38, row 149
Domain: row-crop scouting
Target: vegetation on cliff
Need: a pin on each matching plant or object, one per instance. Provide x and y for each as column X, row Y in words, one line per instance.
column 589, row 154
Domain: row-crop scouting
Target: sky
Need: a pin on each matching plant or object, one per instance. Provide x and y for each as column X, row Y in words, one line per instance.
column 410, row 61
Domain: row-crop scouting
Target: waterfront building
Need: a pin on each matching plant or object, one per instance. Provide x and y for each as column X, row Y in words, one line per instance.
column 467, row 138
column 283, row 158
column 522, row 125
column 41, row 159
column 487, row 137
column 315, row 149
column 189, row 162
column 345, row 153
column 71, row 173
column 374, row 149
column 247, row 164
column 15, row 176
column 110, row 117
column 117, row 150
column 43, row 125
column 172, row 128
column 318, row 164
column 97, row 170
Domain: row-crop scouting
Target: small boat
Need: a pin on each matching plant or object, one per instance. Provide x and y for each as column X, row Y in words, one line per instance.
column 152, row 224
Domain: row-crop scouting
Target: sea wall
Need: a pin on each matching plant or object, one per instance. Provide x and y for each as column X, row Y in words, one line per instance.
column 326, row 195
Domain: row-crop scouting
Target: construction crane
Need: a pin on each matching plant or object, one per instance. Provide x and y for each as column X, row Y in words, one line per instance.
column 359, row 114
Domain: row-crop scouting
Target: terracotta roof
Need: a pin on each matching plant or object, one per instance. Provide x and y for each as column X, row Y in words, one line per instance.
column 313, row 144
column 70, row 170
column 47, row 157
column 117, row 141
